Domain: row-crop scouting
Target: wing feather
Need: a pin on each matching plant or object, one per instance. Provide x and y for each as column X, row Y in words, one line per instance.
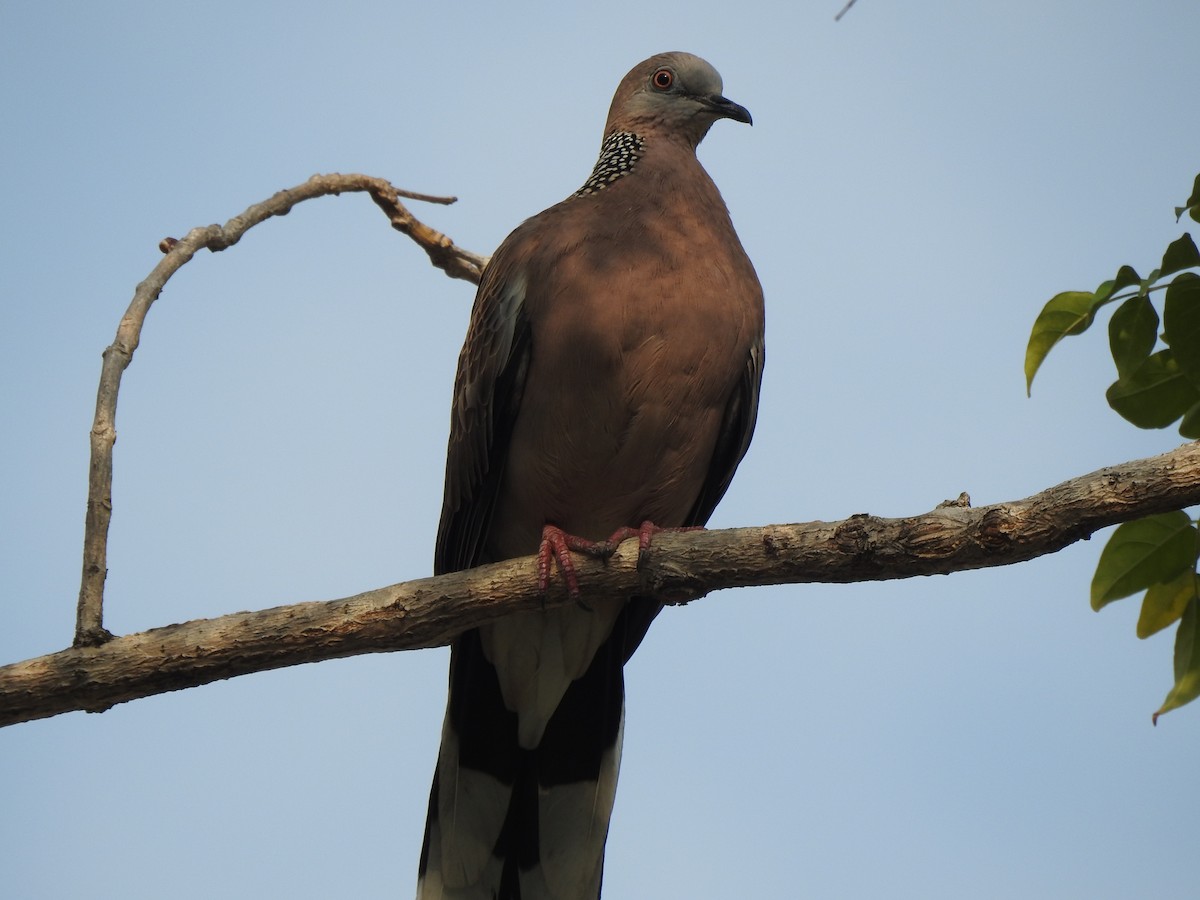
column 492, row 369
column 737, row 427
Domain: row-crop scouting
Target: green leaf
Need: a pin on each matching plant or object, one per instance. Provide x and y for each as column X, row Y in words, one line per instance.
column 1154, row 394
column 1182, row 254
column 1190, row 426
column 1165, row 602
column 1193, row 203
column 1070, row 312
column 1148, row 282
column 1127, row 276
column 1132, row 333
column 1181, row 323
column 1141, row 553
column 1187, row 662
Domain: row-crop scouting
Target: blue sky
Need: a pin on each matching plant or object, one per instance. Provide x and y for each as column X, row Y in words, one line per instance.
column 920, row 178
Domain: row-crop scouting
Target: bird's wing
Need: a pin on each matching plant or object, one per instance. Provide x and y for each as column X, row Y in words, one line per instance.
column 487, row 395
column 737, row 427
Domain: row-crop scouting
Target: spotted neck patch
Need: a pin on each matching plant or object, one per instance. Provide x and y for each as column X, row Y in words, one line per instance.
column 618, row 155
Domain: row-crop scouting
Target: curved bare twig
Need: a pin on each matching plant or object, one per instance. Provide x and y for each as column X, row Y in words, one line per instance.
column 453, row 260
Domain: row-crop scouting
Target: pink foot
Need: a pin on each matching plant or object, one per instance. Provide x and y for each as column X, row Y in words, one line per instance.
column 644, row 533
column 557, row 546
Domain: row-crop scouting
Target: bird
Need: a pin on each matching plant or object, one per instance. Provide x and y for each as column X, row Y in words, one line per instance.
column 608, row 385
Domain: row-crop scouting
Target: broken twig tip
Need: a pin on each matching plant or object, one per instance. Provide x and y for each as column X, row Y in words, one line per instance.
column 962, row 501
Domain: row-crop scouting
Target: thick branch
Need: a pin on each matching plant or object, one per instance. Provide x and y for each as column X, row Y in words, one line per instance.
column 456, row 262
column 679, row 567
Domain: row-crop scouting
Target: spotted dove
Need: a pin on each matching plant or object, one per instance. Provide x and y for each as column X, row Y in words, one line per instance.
column 610, row 377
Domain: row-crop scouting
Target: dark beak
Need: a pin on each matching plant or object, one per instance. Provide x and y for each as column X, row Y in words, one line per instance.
column 727, row 109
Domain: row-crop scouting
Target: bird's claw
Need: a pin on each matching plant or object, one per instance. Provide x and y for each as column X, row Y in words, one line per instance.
column 557, row 545
column 644, row 533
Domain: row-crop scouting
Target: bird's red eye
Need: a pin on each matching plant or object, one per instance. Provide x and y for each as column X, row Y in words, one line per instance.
column 663, row 79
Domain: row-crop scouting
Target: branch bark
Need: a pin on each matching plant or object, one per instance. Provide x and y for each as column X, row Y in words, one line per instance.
column 443, row 253
column 678, row 568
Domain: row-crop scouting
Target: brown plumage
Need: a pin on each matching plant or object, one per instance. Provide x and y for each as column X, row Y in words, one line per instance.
column 609, row 376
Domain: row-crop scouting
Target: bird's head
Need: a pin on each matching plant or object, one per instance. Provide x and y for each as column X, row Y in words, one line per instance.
column 678, row 94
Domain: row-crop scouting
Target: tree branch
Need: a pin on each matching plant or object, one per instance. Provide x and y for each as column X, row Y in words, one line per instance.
column 845, row 9
column 453, row 260
column 679, row 567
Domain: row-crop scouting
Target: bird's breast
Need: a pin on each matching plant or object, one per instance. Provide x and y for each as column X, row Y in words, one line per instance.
column 623, row 402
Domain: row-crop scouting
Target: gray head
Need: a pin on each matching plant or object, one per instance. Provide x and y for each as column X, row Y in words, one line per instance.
column 677, row 94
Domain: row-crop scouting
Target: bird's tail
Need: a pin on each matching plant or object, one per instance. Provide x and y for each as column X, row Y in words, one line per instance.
column 508, row 823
